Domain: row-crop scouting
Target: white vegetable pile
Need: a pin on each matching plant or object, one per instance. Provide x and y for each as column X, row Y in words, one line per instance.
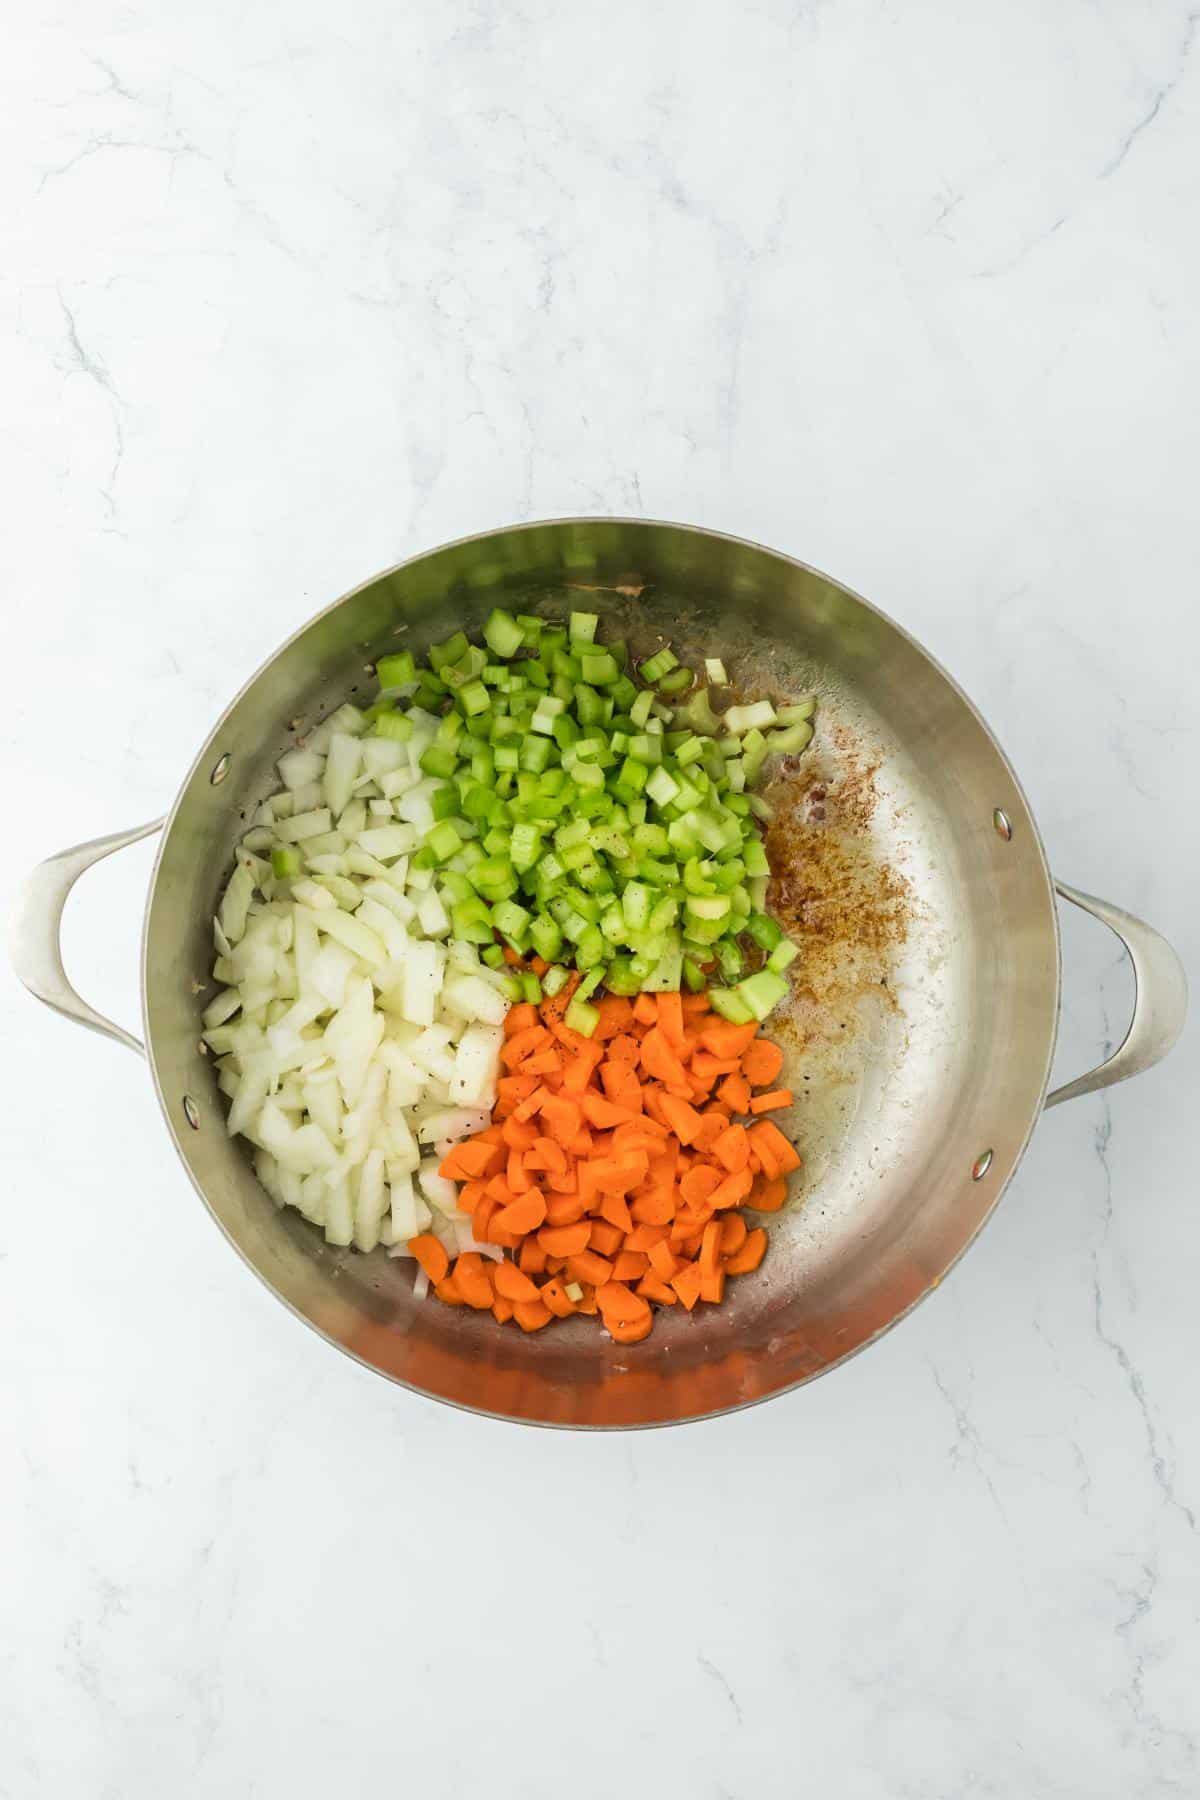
column 355, row 1039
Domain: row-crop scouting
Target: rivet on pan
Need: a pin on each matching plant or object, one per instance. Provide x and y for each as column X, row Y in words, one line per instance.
column 1003, row 825
column 220, row 769
column 191, row 1112
column 981, row 1165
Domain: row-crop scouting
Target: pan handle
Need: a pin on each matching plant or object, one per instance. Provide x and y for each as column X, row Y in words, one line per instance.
column 35, row 933
column 1159, row 1001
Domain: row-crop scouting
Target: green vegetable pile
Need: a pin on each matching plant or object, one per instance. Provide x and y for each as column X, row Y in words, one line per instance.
column 594, row 814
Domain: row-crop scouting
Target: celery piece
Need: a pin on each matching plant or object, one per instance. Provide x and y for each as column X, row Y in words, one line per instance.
column 762, row 992
column 438, row 760
column 474, row 698
column 677, row 681
column 782, row 956
column 583, row 627
column 286, row 861
column 493, row 956
column 395, row 725
column 555, row 980
column 531, row 987
column 729, row 1004
column 655, row 667
column 444, row 841
column 396, row 671
column 581, row 1017
column 502, row 634
column 764, row 931
column 444, row 656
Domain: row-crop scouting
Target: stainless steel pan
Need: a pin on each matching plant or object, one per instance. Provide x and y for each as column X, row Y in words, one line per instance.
column 927, row 997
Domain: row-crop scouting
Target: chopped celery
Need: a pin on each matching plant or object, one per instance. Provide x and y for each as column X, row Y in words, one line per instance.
column 761, row 992
column 582, row 1017
column 583, row 627
column 396, row 671
column 444, row 656
column 714, row 670
column 395, row 725
column 782, row 956
column 555, row 980
column 655, row 667
column 286, row 861
column 676, row 682
column 764, row 931
column 729, row 1004
column 502, row 634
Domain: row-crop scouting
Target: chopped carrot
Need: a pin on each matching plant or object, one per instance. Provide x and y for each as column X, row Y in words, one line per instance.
column 471, row 1278
column 750, row 1255
column 734, row 1090
column 616, row 1162
column 431, row 1255
column 732, row 1148
column 723, row 1039
column 531, row 1257
column 762, row 1062
column 682, row 1117
column 565, row 1240
column 604, row 1237
column 686, row 1282
column 512, row 1284
column 587, row 1266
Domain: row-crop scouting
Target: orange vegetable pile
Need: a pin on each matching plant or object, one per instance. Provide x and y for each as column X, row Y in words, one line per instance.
column 615, row 1171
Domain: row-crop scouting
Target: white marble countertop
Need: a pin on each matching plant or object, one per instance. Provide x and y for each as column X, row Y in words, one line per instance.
column 289, row 293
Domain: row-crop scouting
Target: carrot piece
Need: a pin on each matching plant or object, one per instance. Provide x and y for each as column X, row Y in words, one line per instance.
column 644, row 1009
column 733, row 1233
column 772, row 1102
column 554, row 1296
column 695, row 1003
column 519, row 1018
column 616, row 1015
column 768, row 1196
column 531, row 1315
column 471, row 1277
column 532, row 1102
column 750, row 1255
column 710, row 1246
column 732, row 1191
column 651, row 1288
column 562, row 1118
column 629, row 1265
column 565, row 1240
column 604, row 1237
column 431, row 1255
column 699, row 1183
column 761, row 1062
column 623, row 1049
column 531, row 1258
column 588, row 1303
column 618, row 1302
column 543, row 1062
column 525, row 1214
column 662, row 1260
column 614, row 1211
column 475, row 1159
column 563, row 1209
column 502, row 1310
column 519, row 1180
column 602, row 1113
column 724, row 1039
column 732, row 1148
column 577, row 1072
column 712, row 1286
column 771, row 1143
column 448, row 1290
column 523, row 1044
column 682, row 1117
column 546, row 1154
column 735, row 1092
column 620, row 1083
column 481, row 1218
column 587, row 1266
column 657, row 1208
column 630, row 1331
column 686, row 1282
column 644, row 1237
column 712, row 1126
column 512, row 1285
column 670, row 1022
column 470, row 1194
column 660, row 1061
column 538, row 964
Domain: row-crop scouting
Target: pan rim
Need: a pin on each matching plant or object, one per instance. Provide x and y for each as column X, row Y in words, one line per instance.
column 200, row 761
